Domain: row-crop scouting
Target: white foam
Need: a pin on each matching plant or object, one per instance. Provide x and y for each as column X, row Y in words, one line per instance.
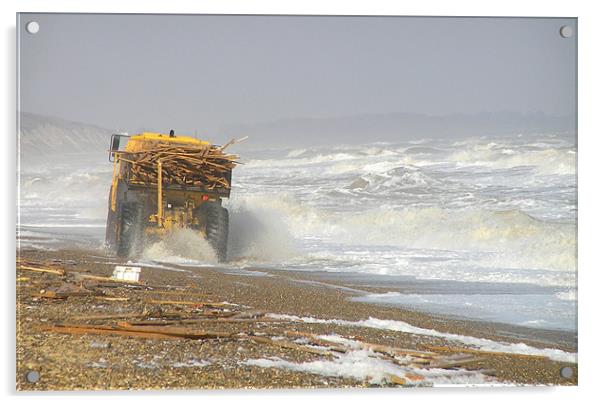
column 481, row 343
column 547, row 161
column 191, row 363
column 153, row 264
column 363, row 365
column 511, row 238
column 182, row 246
column 570, row 295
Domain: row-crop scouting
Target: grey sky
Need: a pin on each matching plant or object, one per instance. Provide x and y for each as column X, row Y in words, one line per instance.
column 130, row 72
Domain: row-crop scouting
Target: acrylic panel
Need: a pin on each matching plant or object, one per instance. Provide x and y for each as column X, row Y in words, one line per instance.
column 254, row 201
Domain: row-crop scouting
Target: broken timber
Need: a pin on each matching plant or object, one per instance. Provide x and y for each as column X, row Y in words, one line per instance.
column 189, row 303
column 144, row 332
column 479, row 352
column 60, row 272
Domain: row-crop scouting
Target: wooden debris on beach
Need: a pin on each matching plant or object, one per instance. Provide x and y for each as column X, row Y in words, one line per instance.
column 52, row 271
column 397, row 380
column 393, row 351
column 179, row 293
column 203, row 166
column 125, row 329
column 99, row 330
column 65, row 290
column 112, row 299
column 154, row 318
column 419, row 356
column 207, row 320
column 315, row 339
column 63, row 294
column 106, row 279
column 109, row 316
column 182, row 332
column 138, row 310
column 190, row 303
column 407, row 378
column 53, row 267
column 451, row 350
column 286, row 344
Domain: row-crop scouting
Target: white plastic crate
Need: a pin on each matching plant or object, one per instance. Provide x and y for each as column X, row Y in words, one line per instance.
column 126, row 273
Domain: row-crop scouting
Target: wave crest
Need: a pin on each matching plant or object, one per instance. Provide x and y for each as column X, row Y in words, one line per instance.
column 514, row 239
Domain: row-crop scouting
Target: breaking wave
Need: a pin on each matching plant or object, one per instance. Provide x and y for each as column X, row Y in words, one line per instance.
column 397, row 178
column 516, row 239
column 545, row 160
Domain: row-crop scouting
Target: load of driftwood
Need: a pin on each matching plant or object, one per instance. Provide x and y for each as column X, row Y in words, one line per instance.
column 202, row 166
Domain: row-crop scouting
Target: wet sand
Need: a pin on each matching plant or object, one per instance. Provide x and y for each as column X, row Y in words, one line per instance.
column 76, row 362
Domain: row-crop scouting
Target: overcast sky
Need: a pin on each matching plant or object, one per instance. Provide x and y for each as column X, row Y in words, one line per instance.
column 130, row 72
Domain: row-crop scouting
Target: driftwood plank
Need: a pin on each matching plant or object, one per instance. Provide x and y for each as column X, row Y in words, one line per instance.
column 397, row 380
column 189, row 303
column 43, row 270
column 109, row 316
column 479, row 352
column 105, row 331
column 106, row 279
column 204, row 320
column 181, row 332
column 145, row 332
column 178, row 293
column 444, row 364
column 112, row 299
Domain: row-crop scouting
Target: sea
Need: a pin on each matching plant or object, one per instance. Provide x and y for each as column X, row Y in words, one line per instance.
column 482, row 227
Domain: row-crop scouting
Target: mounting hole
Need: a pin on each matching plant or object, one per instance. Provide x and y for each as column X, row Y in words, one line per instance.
column 566, row 372
column 566, row 31
column 33, row 376
column 32, row 27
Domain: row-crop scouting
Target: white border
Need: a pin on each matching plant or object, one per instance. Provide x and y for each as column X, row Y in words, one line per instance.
column 590, row 227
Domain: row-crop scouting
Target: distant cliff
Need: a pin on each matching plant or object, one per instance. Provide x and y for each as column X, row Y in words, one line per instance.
column 42, row 138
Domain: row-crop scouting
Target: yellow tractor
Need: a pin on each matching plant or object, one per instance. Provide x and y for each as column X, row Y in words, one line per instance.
column 163, row 182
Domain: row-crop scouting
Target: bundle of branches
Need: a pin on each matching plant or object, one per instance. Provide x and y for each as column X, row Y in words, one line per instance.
column 207, row 167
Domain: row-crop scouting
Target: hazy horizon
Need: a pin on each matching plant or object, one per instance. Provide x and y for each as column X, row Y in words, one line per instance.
column 202, row 74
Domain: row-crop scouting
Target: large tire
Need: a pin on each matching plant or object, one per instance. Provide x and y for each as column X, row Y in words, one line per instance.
column 112, row 228
column 216, row 230
column 114, row 218
column 131, row 230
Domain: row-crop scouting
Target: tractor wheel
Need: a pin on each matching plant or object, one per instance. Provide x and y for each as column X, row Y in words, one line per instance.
column 216, row 229
column 131, row 230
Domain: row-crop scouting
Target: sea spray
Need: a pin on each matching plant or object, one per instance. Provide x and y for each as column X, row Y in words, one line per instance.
column 258, row 233
column 511, row 239
column 181, row 244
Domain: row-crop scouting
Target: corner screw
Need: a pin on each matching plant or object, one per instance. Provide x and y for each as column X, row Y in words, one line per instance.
column 566, row 372
column 33, row 376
